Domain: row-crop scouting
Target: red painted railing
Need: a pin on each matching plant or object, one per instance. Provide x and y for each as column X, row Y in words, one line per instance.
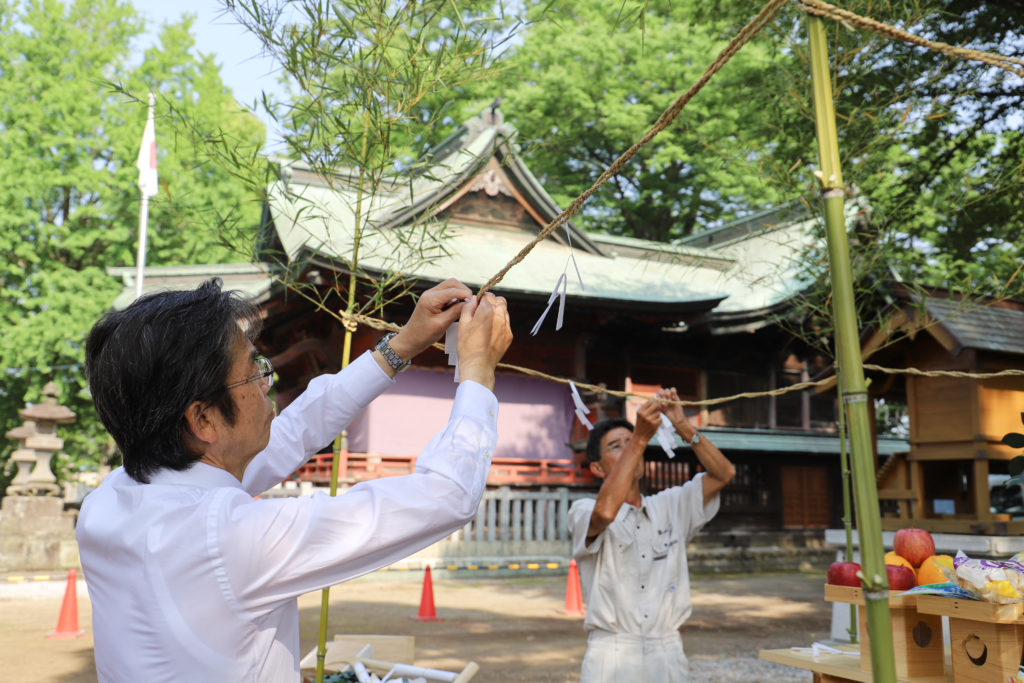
column 356, row 467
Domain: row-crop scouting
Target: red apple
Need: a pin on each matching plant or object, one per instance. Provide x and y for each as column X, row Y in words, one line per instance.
column 900, row 578
column 843, row 574
column 914, row 545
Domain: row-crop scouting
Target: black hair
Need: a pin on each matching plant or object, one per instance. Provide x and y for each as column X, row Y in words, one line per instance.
column 146, row 364
column 598, row 432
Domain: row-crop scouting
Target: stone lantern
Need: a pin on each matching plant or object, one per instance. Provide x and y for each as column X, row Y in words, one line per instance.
column 36, row 533
column 39, row 443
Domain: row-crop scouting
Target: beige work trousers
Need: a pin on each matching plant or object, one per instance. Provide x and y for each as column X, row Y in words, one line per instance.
column 618, row 657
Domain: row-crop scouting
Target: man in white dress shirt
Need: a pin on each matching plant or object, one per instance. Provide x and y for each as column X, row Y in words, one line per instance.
column 190, row 578
column 631, row 549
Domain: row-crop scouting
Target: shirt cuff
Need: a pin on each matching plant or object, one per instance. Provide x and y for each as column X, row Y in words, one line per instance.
column 366, row 379
column 475, row 401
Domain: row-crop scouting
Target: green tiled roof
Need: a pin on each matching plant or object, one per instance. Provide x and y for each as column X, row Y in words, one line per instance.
column 756, row 269
column 979, row 326
column 785, row 441
column 253, row 279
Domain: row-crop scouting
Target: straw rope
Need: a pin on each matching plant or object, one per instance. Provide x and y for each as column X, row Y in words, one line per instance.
column 669, row 115
column 823, row 9
column 356, row 318
column 944, row 373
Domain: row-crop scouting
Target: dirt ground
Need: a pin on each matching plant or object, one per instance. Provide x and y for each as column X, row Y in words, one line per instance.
column 513, row 628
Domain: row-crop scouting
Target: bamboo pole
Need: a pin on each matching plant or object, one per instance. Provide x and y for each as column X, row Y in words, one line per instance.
column 844, row 464
column 853, row 387
column 341, row 442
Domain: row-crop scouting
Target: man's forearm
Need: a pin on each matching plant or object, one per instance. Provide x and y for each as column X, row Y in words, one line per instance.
column 296, row 434
column 713, row 461
column 710, row 458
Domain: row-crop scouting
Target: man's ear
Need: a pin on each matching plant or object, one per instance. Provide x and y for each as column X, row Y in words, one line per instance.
column 200, row 425
column 596, row 468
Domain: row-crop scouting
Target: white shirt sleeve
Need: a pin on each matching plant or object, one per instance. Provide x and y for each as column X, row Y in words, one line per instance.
column 579, row 522
column 690, row 507
column 274, row 550
column 311, row 421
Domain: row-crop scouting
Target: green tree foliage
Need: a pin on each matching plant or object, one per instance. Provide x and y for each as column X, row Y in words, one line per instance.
column 69, row 207
column 369, row 81
column 931, row 143
column 590, row 78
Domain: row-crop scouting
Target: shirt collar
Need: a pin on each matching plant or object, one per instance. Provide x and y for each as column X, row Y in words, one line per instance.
column 200, row 475
column 626, row 509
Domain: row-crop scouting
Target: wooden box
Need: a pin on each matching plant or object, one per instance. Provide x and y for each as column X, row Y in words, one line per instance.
column 985, row 639
column 916, row 636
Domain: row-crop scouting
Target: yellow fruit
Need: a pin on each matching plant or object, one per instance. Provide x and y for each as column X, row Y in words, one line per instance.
column 931, row 569
column 892, row 558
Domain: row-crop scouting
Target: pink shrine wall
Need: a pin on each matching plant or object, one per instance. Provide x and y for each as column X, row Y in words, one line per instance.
column 534, row 416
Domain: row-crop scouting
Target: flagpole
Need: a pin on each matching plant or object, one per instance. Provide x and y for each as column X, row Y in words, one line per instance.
column 140, row 259
column 146, row 161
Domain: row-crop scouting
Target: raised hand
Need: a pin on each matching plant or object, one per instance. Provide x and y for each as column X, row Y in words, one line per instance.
column 484, row 336
column 648, row 418
column 431, row 318
column 673, row 411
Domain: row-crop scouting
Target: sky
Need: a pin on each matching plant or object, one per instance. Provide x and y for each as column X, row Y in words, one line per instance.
column 236, row 51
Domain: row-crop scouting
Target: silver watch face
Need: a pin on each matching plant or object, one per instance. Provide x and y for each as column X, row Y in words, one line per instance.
column 396, row 363
column 696, row 439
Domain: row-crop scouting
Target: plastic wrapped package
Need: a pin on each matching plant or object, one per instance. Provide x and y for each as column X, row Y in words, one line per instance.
column 991, row 580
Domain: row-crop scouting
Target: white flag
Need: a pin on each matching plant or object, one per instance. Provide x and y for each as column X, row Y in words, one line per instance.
column 146, row 163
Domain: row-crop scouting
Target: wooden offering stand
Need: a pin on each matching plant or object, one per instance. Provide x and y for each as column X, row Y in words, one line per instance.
column 916, row 636
column 986, row 639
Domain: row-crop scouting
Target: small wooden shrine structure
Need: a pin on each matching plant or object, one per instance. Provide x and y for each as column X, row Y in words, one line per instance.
column 951, row 479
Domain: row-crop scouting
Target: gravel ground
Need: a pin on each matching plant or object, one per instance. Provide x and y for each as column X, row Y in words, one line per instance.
column 743, row 670
column 514, row 628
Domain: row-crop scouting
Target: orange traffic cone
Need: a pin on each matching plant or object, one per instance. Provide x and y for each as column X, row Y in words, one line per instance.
column 573, row 599
column 67, row 623
column 427, row 611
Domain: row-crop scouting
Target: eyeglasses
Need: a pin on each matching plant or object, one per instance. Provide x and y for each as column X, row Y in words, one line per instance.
column 264, row 371
column 616, row 445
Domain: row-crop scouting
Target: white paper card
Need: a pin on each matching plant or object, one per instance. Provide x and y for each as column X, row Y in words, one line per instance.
column 666, row 436
column 451, row 346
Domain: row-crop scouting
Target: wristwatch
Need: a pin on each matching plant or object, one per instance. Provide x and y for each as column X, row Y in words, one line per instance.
column 396, row 363
column 696, row 438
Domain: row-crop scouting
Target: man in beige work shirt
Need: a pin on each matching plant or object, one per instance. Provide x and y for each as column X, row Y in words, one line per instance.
column 631, row 549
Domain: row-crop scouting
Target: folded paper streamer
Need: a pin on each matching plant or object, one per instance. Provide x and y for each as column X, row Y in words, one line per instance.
column 581, row 408
column 666, row 436
column 451, row 347
column 572, row 255
column 557, row 293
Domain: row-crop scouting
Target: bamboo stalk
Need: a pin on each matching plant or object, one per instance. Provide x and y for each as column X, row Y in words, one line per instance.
column 346, row 354
column 854, row 389
column 844, row 464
